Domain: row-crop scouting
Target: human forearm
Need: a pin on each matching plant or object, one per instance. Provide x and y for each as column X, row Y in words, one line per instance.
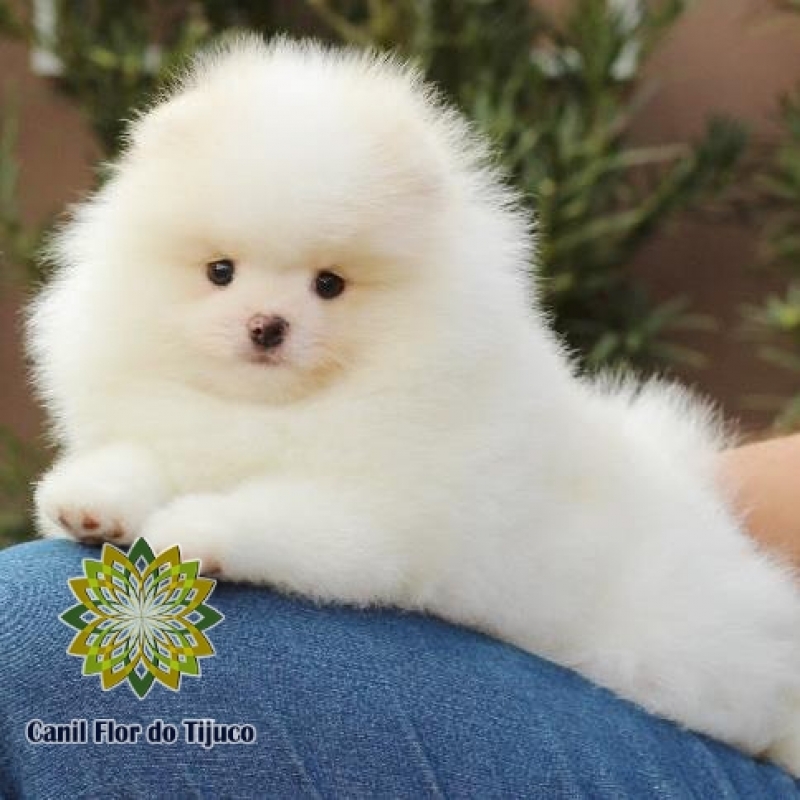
column 765, row 481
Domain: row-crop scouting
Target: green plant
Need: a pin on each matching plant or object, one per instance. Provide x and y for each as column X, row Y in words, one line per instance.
column 775, row 322
column 114, row 56
column 19, row 461
column 19, row 243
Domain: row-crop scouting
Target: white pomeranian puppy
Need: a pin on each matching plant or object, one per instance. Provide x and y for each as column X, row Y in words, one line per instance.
column 293, row 334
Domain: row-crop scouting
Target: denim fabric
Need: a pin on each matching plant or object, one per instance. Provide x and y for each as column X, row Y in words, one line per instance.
column 347, row 704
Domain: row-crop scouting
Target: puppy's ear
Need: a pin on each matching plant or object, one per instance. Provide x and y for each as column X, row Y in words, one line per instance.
column 429, row 147
column 167, row 124
column 413, row 161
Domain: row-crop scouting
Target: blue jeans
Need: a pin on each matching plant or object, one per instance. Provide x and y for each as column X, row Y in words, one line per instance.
column 345, row 704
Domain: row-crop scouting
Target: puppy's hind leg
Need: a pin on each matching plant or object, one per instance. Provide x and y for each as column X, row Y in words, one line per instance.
column 785, row 750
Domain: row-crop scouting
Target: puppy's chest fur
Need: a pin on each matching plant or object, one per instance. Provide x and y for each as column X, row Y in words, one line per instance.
column 205, row 443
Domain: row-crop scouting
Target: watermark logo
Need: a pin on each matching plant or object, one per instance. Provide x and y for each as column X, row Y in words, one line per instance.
column 141, row 618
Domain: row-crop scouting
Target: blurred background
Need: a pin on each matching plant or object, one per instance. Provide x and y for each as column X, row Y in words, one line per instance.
column 657, row 143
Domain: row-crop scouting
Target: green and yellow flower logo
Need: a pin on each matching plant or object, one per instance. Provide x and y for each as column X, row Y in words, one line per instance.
column 141, row 618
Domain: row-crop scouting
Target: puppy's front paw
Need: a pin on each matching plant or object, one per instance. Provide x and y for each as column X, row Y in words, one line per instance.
column 106, row 495
column 198, row 524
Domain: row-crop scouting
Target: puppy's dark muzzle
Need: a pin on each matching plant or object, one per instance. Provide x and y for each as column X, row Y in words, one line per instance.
column 267, row 333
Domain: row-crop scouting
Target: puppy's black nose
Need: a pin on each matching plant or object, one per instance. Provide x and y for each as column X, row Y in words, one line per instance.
column 267, row 332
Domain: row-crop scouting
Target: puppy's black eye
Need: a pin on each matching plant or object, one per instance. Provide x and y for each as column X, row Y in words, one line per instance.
column 328, row 284
column 220, row 272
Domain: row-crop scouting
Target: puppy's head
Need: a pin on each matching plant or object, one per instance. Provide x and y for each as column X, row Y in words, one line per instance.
column 287, row 215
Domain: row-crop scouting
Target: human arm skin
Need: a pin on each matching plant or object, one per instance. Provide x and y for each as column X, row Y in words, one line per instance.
column 765, row 480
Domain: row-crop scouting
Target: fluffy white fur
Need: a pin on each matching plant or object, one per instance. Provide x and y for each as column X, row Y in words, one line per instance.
column 420, row 440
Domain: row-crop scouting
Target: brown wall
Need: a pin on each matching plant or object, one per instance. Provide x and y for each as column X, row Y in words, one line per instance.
column 724, row 56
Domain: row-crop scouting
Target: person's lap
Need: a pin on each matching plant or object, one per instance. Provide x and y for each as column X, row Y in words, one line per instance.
column 346, row 703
